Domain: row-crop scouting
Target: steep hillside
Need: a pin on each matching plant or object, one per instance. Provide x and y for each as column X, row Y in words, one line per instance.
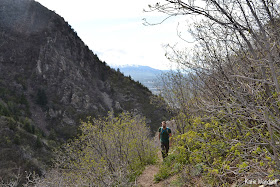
column 50, row 80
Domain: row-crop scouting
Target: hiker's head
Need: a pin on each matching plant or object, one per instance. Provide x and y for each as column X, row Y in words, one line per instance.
column 163, row 124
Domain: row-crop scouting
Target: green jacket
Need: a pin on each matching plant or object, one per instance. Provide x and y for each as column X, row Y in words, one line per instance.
column 164, row 134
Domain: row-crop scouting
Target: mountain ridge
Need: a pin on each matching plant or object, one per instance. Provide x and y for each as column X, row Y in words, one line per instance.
column 49, row 81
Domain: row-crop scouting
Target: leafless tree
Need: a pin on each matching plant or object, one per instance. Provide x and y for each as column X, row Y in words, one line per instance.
column 234, row 66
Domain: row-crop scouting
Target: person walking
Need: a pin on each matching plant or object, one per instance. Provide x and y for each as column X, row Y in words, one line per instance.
column 164, row 134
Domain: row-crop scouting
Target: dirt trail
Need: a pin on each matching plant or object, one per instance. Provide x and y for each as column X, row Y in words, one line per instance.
column 147, row 177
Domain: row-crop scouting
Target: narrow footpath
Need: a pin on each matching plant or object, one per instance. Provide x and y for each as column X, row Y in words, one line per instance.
column 147, row 177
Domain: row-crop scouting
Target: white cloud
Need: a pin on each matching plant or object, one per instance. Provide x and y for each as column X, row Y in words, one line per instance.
column 115, row 31
column 96, row 9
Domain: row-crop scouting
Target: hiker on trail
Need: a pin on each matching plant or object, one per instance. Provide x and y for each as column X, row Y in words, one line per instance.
column 164, row 134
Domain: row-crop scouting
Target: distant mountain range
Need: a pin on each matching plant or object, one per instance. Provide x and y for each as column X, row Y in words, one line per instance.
column 144, row 74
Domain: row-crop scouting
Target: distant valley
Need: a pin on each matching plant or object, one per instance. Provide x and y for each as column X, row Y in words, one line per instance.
column 144, row 74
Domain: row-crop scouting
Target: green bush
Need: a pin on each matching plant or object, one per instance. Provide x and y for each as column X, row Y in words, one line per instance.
column 111, row 151
column 168, row 167
column 214, row 149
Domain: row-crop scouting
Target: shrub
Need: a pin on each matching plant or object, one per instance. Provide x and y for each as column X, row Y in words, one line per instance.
column 110, row 151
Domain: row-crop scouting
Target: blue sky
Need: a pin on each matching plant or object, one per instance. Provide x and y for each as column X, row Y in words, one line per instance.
column 114, row 30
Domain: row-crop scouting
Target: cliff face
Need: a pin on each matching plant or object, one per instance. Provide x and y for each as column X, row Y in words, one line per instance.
column 50, row 80
column 41, row 54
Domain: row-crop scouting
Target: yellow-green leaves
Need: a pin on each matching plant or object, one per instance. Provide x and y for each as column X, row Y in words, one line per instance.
column 224, row 147
column 215, row 171
column 243, row 165
column 109, row 150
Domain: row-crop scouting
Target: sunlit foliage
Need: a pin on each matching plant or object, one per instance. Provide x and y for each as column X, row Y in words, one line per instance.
column 109, row 151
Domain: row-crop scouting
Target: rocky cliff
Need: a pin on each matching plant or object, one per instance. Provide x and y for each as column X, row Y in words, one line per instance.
column 50, row 80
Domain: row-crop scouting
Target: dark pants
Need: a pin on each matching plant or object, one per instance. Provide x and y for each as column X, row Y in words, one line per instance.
column 164, row 149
